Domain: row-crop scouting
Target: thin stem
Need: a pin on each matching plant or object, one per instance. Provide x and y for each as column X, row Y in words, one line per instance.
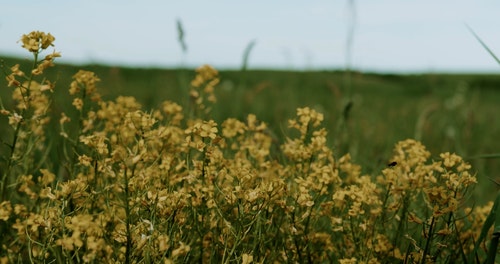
column 128, row 248
column 26, row 99
column 428, row 242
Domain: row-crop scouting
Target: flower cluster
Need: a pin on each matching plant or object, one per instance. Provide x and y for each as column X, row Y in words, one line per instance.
column 203, row 87
column 29, row 118
column 37, row 40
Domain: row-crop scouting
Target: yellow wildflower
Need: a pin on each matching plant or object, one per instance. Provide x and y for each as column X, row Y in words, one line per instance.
column 5, row 210
column 246, row 258
column 78, row 104
column 181, row 250
column 231, row 127
column 47, row 177
column 36, row 41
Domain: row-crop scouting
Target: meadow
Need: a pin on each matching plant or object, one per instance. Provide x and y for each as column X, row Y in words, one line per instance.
column 121, row 165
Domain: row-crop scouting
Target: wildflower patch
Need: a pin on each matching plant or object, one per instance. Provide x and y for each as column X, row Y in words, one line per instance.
column 172, row 185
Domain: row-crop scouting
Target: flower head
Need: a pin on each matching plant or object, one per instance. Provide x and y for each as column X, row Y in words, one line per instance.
column 37, row 41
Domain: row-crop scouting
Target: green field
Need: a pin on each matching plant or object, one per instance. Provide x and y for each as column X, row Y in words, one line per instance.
column 345, row 167
column 446, row 112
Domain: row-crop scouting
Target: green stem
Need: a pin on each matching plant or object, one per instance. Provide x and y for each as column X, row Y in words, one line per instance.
column 26, row 99
column 428, row 242
column 11, row 161
column 404, row 212
column 128, row 248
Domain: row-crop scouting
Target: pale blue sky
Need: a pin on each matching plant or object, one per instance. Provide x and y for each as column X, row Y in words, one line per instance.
column 390, row 35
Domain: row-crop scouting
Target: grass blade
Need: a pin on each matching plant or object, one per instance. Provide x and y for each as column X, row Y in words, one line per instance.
column 490, row 221
column 492, row 252
column 180, row 35
column 483, row 44
column 246, row 55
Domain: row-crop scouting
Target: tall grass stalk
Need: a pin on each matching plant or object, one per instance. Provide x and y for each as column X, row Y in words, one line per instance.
column 492, row 54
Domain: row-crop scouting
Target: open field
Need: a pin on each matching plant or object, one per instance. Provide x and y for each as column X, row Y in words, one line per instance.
column 446, row 112
column 118, row 165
